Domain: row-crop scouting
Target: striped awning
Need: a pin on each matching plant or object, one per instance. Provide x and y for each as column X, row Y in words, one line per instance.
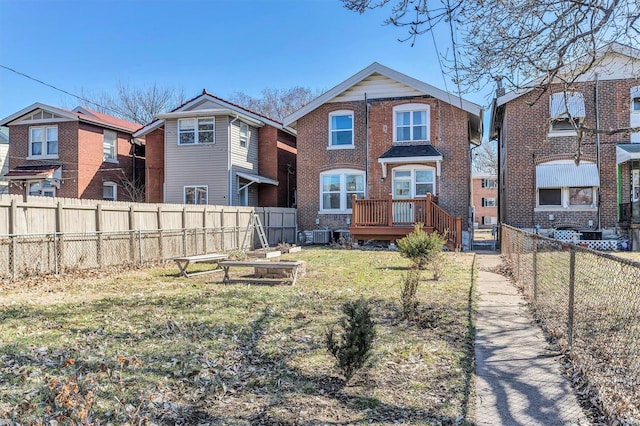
column 567, row 175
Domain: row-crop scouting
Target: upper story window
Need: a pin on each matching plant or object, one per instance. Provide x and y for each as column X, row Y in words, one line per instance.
column 109, row 191
column 341, row 129
column 110, row 146
column 566, row 111
column 489, row 183
column 196, row 131
column 43, row 141
column 337, row 188
column 411, row 123
column 634, row 116
column 244, row 135
column 488, row 202
column 196, row 194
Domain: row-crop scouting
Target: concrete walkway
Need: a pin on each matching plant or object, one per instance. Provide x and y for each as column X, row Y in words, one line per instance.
column 518, row 381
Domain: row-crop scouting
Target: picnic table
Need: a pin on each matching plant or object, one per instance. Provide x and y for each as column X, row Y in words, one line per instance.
column 289, row 266
column 184, row 262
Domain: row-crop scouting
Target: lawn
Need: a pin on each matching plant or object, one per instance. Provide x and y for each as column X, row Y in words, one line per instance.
column 149, row 347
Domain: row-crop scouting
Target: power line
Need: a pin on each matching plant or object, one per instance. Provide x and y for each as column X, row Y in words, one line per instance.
column 57, row 88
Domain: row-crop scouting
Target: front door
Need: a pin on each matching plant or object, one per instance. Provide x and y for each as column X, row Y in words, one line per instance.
column 402, row 183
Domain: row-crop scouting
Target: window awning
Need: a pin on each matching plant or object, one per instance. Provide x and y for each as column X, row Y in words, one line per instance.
column 257, row 178
column 563, row 105
column 567, row 175
column 399, row 154
column 35, row 172
column 627, row 151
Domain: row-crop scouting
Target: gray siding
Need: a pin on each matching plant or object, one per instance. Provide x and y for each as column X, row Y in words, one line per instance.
column 195, row 165
column 244, row 160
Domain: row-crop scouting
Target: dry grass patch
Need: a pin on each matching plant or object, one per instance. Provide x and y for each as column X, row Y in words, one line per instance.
column 150, row 347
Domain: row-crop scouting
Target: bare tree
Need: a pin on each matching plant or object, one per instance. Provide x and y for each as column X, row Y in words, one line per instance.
column 276, row 103
column 516, row 40
column 136, row 104
column 485, row 158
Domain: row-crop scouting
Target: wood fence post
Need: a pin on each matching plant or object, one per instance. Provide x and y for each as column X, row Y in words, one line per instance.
column 238, row 230
column 59, row 231
column 222, row 229
column 99, row 232
column 132, row 236
column 13, row 245
column 184, row 231
column 160, row 233
column 204, row 229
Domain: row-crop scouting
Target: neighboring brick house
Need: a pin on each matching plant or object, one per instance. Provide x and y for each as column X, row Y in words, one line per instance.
column 484, row 187
column 75, row 154
column 4, row 162
column 540, row 184
column 211, row 151
column 381, row 134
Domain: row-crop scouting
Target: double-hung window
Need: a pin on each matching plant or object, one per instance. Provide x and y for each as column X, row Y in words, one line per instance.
column 196, row 131
column 244, row 135
column 196, row 194
column 488, row 202
column 42, row 189
column 411, row 123
column 634, row 116
column 341, row 129
column 110, row 146
column 43, row 141
column 489, row 183
column 337, row 187
column 567, row 111
column 109, row 191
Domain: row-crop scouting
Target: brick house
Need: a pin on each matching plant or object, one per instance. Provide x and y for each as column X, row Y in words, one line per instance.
column 390, row 141
column 484, row 190
column 211, row 151
column 75, row 154
column 540, row 183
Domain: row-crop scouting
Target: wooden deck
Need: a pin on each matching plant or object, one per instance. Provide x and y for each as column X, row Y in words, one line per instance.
column 389, row 220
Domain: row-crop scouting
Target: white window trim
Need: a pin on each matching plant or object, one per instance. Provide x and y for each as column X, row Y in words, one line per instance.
column 414, row 168
column 485, row 183
column 44, row 143
column 51, row 189
column 115, row 190
column 564, row 200
column 115, row 146
column 343, row 190
column 340, row 113
column 412, row 108
column 184, row 193
column 196, row 131
column 485, row 199
column 241, row 138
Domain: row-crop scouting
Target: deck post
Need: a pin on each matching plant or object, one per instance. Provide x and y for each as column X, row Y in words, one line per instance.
column 458, row 241
column 389, row 211
column 427, row 217
column 354, row 209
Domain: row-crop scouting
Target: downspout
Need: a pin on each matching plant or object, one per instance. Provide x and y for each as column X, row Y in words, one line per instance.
column 229, row 163
column 366, row 141
column 597, row 99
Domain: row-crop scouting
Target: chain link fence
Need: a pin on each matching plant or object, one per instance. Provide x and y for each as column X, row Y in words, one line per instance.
column 39, row 254
column 589, row 303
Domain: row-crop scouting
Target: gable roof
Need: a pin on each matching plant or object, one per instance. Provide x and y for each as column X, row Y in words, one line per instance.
column 609, row 49
column 78, row 114
column 474, row 110
column 228, row 108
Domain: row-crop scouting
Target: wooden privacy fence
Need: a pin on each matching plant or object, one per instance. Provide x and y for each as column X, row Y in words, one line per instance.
column 48, row 235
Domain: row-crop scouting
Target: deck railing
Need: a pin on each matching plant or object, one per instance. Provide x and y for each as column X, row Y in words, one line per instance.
column 407, row 212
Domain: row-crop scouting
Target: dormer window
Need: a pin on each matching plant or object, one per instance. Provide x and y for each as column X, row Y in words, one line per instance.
column 411, row 123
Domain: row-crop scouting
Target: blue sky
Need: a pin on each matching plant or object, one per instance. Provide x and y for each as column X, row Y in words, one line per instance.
column 222, row 45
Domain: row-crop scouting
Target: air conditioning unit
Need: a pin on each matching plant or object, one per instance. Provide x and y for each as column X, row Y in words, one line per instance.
column 321, row 236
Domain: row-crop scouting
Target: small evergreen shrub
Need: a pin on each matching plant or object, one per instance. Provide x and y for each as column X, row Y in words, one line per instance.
column 408, row 294
column 424, row 249
column 351, row 346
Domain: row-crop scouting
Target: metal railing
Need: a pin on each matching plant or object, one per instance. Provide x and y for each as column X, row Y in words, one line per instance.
column 589, row 302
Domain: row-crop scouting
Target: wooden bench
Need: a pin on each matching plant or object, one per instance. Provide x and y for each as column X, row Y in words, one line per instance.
column 184, row 262
column 290, row 266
